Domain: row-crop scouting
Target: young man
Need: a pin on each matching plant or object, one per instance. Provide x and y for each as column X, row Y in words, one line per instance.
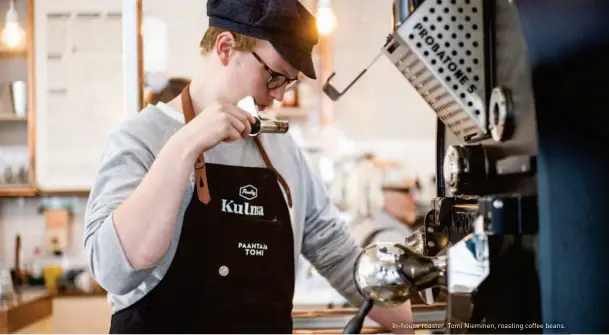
column 193, row 226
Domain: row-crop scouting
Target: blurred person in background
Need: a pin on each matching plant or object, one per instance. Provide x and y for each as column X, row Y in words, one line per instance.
column 385, row 200
column 396, row 218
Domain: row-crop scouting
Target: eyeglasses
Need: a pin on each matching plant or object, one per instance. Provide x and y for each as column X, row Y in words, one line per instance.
column 277, row 79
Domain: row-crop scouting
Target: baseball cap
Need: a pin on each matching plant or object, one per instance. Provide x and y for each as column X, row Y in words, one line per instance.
column 286, row 24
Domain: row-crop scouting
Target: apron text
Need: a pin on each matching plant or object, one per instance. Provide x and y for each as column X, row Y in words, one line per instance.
column 229, row 206
column 253, row 249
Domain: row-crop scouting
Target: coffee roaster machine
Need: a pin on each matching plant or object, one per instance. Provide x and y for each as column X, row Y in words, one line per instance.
column 517, row 230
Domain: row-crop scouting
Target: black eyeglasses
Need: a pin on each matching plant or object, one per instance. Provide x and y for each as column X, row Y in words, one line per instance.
column 277, row 79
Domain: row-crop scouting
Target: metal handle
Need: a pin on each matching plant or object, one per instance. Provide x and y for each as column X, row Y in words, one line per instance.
column 333, row 93
column 269, row 126
column 356, row 323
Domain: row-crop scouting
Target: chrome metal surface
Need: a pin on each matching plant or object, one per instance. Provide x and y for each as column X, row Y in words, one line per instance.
column 390, row 274
column 377, row 275
column 440, row 50
column 223, row 271
column 264, row 125
column 455, row 167
column 415, row 241
column 500, row 114
column 274, row 126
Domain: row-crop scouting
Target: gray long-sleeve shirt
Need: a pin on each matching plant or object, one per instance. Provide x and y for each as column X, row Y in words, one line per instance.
column 130, row 151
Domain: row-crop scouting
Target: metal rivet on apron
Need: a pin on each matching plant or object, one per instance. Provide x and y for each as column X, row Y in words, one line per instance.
column 223, row 271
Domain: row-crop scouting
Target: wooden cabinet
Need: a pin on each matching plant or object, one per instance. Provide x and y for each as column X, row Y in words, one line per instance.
column 74, row 315
column 81, row 315
column 44, row 326
column 16, row 109
column 72, row 66
column 78, row 89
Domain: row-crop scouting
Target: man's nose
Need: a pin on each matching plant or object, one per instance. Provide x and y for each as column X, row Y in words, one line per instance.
column 278, row 93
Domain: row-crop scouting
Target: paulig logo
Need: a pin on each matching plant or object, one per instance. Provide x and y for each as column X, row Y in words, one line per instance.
column 247, row 192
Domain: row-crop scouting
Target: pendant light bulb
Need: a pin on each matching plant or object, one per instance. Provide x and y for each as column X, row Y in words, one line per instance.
column 13, row 35
column 326, row 19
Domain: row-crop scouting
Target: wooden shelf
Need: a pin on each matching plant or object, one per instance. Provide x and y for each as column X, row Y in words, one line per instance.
column 11, row 118
column 17, row 191
column 12, row 54
column 27, row 191
column 74, row 192
column 25, row 57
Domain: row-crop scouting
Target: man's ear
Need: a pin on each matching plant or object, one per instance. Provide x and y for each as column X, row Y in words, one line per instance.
column 224, row 46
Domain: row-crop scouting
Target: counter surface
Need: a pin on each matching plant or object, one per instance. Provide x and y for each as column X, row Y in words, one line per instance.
column 331, row 321
column 24, row 308
column 31, row 306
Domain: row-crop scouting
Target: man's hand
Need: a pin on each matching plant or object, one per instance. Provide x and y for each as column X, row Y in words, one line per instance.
column 219, row 123
column 398, row 319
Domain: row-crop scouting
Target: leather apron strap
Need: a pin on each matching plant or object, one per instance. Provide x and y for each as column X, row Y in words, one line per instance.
column 269, row 165
column 201, row 175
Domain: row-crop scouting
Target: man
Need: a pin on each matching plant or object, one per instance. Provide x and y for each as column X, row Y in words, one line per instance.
column 216, row 253
column 396, row 219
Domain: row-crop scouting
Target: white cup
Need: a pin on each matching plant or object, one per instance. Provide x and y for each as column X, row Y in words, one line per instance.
column 19, row 98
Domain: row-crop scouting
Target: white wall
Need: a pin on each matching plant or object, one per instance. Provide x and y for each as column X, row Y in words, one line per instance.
column 381, row 112
column 186, row 22
column 381, row 104
column 20, row 216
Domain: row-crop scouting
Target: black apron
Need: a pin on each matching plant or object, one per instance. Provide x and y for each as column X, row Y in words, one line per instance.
column 233, row 271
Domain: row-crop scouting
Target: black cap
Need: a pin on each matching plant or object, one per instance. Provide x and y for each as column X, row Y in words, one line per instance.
column 286, row 24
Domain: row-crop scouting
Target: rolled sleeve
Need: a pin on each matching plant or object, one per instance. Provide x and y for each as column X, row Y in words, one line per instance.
column 108, row 263
column 124, row 163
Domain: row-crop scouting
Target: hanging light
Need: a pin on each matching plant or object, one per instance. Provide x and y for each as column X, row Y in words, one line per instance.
column 326, row 20
column 13, row 35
